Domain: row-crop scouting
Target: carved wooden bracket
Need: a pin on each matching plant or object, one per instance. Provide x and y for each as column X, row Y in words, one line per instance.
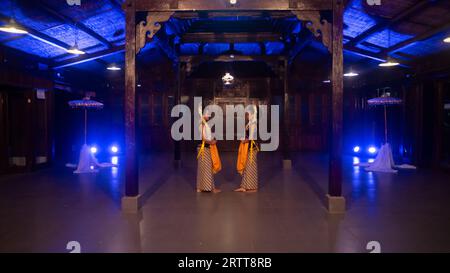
column 317, row 26
column 149, row 27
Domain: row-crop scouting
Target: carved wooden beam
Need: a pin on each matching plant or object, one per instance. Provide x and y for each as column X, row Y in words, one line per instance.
column 197, row 59
column 149, row 27
column 220, row 5
column 319, row 27
column 239, row 37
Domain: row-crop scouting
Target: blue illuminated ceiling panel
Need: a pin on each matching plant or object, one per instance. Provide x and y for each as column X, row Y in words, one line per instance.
column 381, row 38
column 35, row 47
column 68, row 34
column 110, row 25
column 356, row 21
column 27, row 15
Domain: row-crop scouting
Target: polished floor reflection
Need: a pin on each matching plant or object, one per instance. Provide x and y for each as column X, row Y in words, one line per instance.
column 405, row 212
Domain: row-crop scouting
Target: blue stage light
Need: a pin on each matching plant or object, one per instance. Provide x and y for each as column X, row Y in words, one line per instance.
column 114, row 149
column 356, row 149
column 372, row 150
column 94, row 150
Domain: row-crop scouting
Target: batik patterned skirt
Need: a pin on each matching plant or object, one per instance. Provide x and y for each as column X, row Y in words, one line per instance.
column 205, row 176
column 250, row 174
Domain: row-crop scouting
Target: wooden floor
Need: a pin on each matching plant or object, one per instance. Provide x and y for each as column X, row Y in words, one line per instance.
column 43, row 211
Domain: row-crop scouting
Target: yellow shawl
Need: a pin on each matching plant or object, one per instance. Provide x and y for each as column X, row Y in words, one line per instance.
column 243, row 154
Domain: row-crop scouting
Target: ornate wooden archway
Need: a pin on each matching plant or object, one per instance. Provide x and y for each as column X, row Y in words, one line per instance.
column 158, row 12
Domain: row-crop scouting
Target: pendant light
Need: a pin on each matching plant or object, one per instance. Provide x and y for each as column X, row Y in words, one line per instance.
column 12, row 26
column 75, row 50
column 351, row 73
column 389, row 61
column 228, row 78
column 114, row 67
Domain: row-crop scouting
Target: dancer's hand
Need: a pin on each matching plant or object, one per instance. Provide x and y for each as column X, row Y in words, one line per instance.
column 213, row 142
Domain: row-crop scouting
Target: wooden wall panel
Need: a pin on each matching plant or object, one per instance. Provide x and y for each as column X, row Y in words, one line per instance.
column 3, row 132
column 28, row 134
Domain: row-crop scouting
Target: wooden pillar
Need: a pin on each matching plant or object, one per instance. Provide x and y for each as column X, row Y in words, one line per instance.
column 177, row 101
column 287, row 163
column 131, row 168
column 336, row 203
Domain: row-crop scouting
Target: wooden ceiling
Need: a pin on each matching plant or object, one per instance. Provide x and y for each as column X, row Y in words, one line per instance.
column 404, row 29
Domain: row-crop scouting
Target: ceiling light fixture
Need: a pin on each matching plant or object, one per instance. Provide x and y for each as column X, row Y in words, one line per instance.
column 227, row 79
column 351, row 74
column 389, row 63
column 13, row 27
column 75, row 50
column 113, row 67
column 447, row 40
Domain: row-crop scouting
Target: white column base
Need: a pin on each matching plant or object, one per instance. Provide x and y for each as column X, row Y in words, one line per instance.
column 336, row 204
column 287, row 164
column 131, row 204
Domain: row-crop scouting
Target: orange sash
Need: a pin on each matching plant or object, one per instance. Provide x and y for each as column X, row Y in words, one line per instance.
column 215, row 158
column 243, row 153
column 242, row 157
column 216, row 163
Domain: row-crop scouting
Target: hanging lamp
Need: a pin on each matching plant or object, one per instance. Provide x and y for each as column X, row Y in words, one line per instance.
column 75, row 50
column 390, row 62
column 12, row 26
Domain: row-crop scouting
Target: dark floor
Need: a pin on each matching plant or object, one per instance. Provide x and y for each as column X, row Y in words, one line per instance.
column 405, row 212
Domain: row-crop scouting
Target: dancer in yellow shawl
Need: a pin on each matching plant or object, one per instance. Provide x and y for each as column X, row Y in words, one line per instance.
column 247, row 164
column 208, row 158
